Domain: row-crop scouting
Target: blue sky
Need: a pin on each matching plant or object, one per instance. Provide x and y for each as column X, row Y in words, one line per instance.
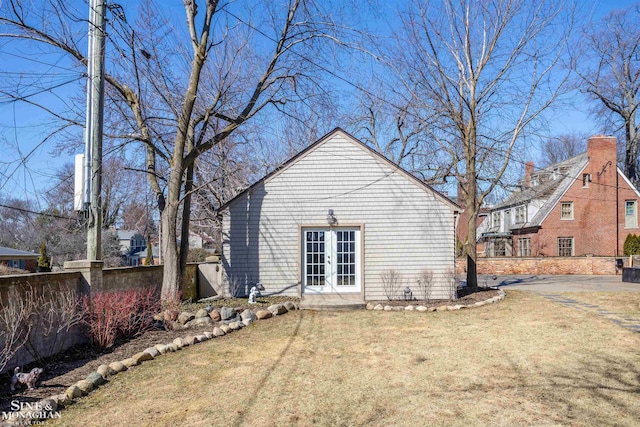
column 22, row 127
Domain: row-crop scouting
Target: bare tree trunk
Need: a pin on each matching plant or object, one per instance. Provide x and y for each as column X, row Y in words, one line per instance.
column 186, row 215
column 171, row 278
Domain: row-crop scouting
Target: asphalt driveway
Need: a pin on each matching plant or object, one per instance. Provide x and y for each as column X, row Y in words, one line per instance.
column 560, row 283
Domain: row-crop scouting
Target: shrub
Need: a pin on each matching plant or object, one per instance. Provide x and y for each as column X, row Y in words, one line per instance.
column 198, row 254
column 632, row 245
column 425, row 285
column 110, row 316
column 391, row 283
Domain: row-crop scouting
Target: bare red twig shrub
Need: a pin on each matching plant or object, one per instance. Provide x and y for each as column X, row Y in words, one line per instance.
column 110, row 316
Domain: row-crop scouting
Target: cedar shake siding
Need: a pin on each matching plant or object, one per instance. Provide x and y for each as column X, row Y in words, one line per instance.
column 403, row 224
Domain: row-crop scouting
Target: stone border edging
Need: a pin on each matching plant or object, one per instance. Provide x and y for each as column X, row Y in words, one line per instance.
column 44, row 408
column 422, row 308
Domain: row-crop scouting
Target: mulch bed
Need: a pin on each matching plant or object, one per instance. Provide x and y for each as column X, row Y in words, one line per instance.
column 465, row 297
column 75, row 364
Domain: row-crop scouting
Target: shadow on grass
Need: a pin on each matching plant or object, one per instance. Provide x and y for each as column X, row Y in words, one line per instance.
column 266, row 373
column 601, row 390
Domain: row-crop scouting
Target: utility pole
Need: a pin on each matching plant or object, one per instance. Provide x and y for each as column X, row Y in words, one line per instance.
column 95, row 108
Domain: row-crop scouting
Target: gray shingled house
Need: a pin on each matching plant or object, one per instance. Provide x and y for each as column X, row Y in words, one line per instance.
column 328, row 223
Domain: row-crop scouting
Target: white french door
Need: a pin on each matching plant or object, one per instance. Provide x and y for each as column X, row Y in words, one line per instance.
column 331, row 260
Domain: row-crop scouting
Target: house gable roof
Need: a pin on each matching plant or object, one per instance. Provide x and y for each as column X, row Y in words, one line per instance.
column 549, row 190
column 396, row 168
column 9, row 253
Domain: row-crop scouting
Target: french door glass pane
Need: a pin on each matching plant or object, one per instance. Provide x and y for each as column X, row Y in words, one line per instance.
column 315, row 258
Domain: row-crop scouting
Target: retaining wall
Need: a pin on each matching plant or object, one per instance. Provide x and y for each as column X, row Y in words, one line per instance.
column 547, row 265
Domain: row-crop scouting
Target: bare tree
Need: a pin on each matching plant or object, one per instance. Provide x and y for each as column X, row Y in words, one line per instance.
column 179, row 98
column 16, row 309
column 562, row 147
column 609, row 68
column 488, row 69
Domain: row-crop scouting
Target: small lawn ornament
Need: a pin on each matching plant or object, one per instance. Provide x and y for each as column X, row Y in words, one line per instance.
column 255, row 292
column 28, row 379
column 408, row 294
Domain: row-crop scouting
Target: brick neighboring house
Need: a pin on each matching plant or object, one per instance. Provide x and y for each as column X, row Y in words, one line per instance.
column 15, row 258
column 571, row 208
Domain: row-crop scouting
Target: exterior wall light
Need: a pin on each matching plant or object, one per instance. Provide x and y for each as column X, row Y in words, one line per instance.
column 331, row 218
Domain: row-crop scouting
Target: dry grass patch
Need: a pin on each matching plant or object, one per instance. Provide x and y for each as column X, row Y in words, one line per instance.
column 525, row 361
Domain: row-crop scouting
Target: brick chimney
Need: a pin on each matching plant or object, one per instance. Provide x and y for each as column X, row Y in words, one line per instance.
column 528, row 171
column 601, row 150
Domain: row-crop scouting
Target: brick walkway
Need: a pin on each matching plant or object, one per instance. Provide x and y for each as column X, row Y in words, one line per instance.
column 628, row 322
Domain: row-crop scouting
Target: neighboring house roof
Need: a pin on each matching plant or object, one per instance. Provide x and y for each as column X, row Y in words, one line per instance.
column 549, row 189
column 126, row 234
column 354, row 140
column 9, row 253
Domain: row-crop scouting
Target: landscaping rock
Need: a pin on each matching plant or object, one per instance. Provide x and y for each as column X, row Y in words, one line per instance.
column 227, row 313
column 441, row 308
column 189, row 340
column 142, row 357
column 421, row 308
column 200, row 321
column 173, row 347
column 246, row 322
column 202, row 338
column 238, row 310
column 202, row 313
column 388, row 308
column 234, row 326
column 176, row 326
column 73, row 392
column 153, row 352
column 263, row 314
column 185, row 317
column 397, row 308
column 225, row 328
column 370, row 306
column 209, row 335
column 248, row 314
column 215, row 316
column 410, row 308
column 170, row 315
column 218, row 332
column 96, row 379
column 290, row 306
column 117, row 366
column 431, row 309
column 277, row 309
column 63, row 399
column 85, row 386
column 179, row 342
column 130, row 362
column 162, row 349
column 105, row 371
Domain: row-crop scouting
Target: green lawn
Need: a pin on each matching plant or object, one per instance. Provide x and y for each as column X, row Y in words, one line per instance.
column 524, row 361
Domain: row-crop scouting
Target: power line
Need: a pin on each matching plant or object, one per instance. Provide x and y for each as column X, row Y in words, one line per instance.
column 37, row 213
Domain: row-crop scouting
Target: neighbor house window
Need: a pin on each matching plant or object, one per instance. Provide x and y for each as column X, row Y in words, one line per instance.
column 631, row 214
column 524, row 246
column 521, row 215
column 15, row 263
column 565, row 246
column 586, row 179
column 566, row 210
column 496, row 220
column 499, row 248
